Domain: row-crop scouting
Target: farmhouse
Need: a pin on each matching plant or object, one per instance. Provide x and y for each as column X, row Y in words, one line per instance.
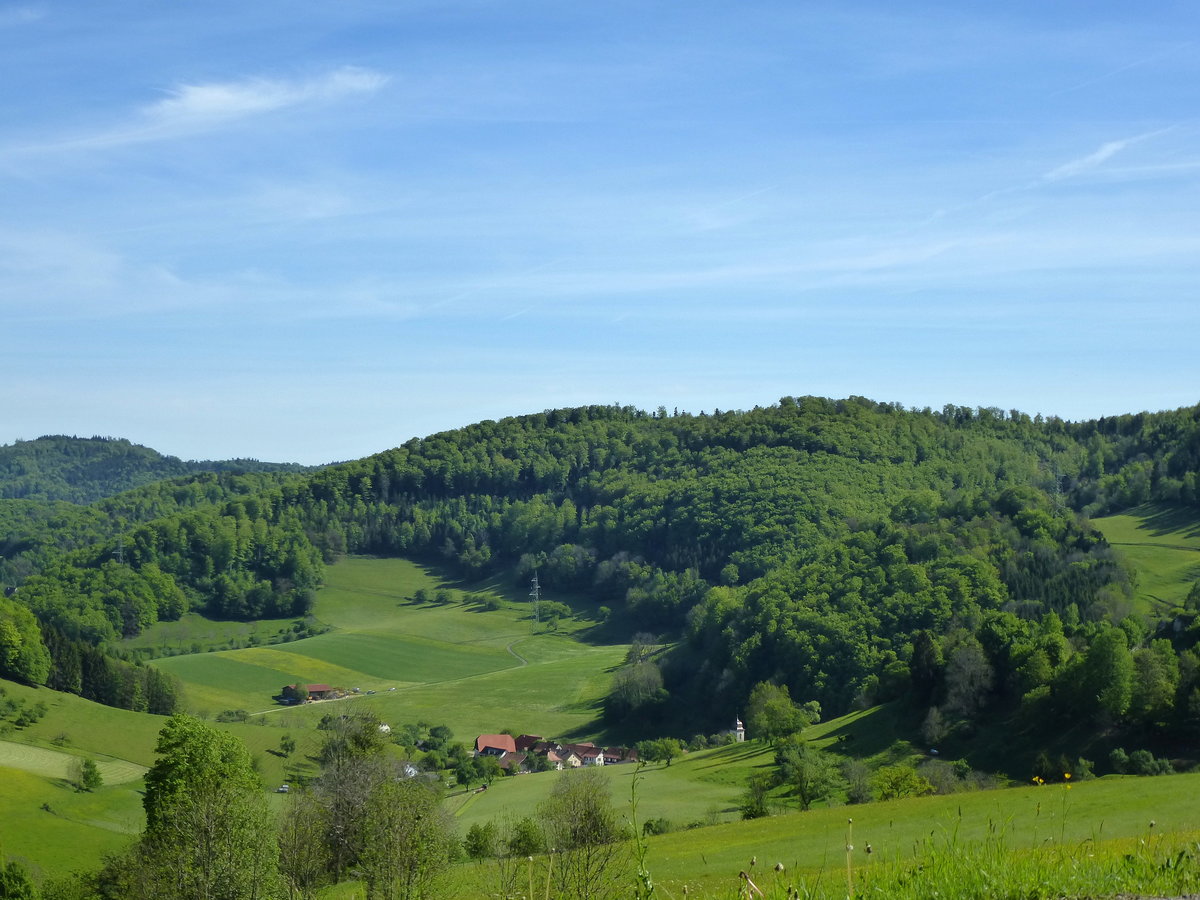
column 314, row 691
column 495, row 745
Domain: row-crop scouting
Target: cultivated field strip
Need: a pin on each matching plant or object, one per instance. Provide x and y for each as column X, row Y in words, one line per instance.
column 57, row 764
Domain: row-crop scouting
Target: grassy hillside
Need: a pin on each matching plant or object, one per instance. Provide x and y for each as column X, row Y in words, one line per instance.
column 707, row 860
column 474, row 669
column 1162, row 544
column 455, row 663
column 481, row 670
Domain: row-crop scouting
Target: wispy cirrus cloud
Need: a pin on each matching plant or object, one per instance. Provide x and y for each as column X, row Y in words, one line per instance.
column 1098, row 157
column 192, row 105
column 191, row 109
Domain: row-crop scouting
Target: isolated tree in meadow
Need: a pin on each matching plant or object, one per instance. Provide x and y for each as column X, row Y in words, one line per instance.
column 660, row 750
column 482, row 840
column 810, row 774
column 754, row 798
column 86, row 775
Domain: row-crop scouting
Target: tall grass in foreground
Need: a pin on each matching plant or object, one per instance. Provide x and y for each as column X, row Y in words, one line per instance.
column 1151, row 866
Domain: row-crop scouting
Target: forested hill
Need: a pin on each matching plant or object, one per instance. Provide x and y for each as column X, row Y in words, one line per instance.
column 82, row 470
column 850, row 550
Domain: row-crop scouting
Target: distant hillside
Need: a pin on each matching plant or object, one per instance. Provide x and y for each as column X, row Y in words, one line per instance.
column 83, row 470
column 849, row 550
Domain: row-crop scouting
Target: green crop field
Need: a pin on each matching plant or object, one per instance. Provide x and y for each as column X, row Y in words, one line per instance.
column 57, row 764
column 1162, row 544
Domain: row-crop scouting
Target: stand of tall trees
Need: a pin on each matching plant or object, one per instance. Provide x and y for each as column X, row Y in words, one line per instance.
column 810, row 542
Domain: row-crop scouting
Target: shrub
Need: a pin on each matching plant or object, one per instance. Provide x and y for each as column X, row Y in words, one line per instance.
column 656, row 826
column 1119, row 760
column 1143, row 762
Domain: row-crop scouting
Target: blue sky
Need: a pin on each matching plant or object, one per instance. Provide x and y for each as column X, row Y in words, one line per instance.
column 309, row 231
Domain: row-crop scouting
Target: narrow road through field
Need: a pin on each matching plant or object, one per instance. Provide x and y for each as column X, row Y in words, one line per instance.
column 509, row 648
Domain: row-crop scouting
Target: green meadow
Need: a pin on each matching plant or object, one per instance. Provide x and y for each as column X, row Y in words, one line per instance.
column 1162, row 544
column 193, row 633
column 455, row 663
column 54, row 829
column 812, row 844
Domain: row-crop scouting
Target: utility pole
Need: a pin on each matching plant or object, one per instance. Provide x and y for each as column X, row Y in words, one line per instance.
column 536, row 594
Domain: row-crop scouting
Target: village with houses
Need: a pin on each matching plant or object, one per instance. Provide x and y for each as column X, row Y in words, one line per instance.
column 516, row 755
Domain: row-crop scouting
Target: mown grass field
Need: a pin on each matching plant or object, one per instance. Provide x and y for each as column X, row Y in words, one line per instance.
column 1162, row 543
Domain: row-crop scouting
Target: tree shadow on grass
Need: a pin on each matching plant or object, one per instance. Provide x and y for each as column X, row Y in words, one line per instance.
column 1164, row 519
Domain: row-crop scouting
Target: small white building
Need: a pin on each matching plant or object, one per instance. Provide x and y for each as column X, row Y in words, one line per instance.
column 739, row 731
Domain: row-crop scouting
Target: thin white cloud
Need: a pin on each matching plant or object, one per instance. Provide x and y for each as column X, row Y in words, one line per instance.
column 1098, row 157
column 197, row 108
column 203, row 104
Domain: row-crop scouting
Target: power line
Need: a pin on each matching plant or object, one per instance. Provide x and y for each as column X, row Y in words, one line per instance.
column 536, row 594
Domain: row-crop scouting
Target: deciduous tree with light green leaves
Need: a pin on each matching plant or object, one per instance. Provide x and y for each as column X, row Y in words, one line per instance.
column 209, row 831
column 23, row 655
column 810, row 774
column 771, row 715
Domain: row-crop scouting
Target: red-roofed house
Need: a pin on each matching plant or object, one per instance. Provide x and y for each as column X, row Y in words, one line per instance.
column 526, row 742
column 495, row 745
column 590, row 756
column 314, row 691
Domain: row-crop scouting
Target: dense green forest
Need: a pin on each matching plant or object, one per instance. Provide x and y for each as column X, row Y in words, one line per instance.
column 82, row 470
column 853, row 551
